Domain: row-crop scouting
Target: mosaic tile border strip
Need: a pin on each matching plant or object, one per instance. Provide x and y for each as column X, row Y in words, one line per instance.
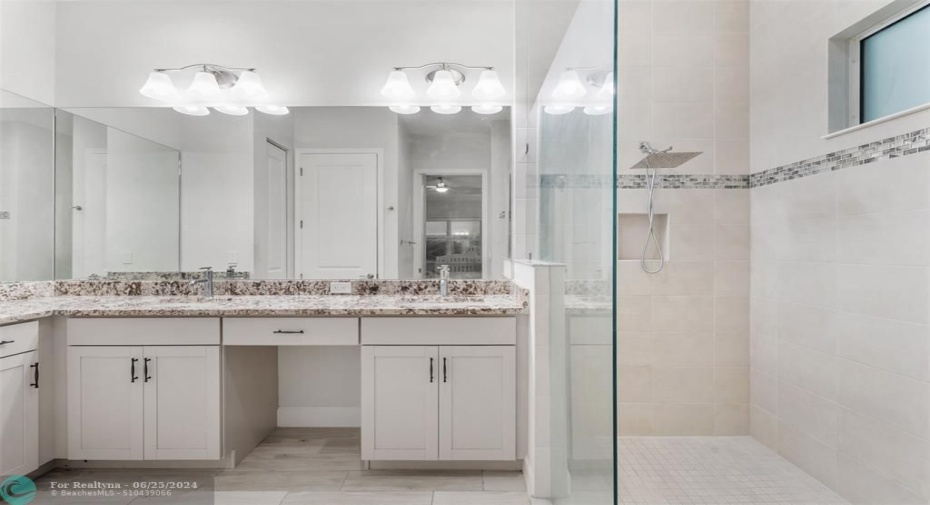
column 892, row 147
column 638, row 181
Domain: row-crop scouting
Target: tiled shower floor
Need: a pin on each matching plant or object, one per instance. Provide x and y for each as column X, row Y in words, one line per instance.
column 712, row 470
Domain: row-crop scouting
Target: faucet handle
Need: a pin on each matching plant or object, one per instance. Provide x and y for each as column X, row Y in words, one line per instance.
column 206, row 268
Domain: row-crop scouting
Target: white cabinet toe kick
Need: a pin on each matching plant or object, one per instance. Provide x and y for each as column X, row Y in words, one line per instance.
column 203, row 389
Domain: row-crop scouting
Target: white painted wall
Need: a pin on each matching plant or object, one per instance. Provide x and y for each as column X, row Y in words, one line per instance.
column 160, row 125
column 308, row 53
column 216, row 192
column 142, row 204
column 27, row 48
column 319, row 386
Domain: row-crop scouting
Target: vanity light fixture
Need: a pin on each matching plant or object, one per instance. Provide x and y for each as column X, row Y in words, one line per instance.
column 229, row 90
column 573, row 86
column 444, row 88
column 487, row 109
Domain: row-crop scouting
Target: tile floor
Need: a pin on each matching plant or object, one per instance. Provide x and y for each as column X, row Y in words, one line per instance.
column 713, row 470
column 299, row 466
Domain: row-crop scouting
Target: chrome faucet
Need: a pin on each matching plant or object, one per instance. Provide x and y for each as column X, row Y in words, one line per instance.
column 443, row 280
column 207, row 281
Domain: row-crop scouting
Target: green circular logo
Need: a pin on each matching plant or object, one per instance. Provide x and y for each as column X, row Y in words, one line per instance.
column 18, row 490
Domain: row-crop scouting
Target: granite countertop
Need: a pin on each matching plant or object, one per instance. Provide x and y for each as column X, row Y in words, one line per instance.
column 13, row 311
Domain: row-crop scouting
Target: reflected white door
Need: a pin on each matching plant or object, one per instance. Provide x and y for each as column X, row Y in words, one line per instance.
column 90, row 215
column 271, row 254
column 337, row 212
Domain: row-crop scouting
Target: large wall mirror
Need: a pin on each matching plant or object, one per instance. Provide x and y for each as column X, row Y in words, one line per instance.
column 27, row 182
column 320, row 193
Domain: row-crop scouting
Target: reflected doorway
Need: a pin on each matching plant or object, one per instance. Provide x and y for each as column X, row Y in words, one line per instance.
column 451, row 212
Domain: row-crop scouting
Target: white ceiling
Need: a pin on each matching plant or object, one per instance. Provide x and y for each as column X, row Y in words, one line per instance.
column 312, row 52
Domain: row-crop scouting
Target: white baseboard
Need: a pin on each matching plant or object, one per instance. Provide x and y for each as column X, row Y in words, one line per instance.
column 319, row 417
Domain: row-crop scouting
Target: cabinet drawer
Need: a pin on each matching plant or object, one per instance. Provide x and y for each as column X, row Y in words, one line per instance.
column 290, row 331
column 439, row 330
column 19, row 338
column 144, row 331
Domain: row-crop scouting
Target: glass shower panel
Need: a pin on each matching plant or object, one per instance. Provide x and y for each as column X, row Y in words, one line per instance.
column 571, row 125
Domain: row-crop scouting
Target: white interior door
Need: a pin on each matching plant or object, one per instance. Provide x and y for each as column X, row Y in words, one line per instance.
column 19, row 416
column 271, row 257
column 105, row 403
column 182, row 402
column 400, row 395
column 477, row 403
column 338, row 216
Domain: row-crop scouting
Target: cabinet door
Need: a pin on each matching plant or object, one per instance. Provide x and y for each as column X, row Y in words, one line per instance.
column 182, row 402
column 105, row 403
column 400, row 402
column 477, row 399
column 19, row 415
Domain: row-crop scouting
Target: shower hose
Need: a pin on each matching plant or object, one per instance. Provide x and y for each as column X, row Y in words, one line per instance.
column 651, row 235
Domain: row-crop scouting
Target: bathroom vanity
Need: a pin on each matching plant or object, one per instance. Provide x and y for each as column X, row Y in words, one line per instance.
column 163, row 380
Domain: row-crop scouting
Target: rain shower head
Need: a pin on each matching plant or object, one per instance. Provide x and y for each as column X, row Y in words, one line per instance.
column 662, row 159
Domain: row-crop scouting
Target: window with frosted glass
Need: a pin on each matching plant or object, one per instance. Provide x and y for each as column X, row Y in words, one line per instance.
column 895, row 67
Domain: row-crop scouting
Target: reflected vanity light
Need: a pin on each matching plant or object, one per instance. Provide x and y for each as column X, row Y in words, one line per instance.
column 487, row 109
column 558, row 110
column 405, row 109
column 446, row 109
column 232, row 110
column 192, row 110
column 274, row 110
column 598, row 110
column 444, row 81
column 229, row 90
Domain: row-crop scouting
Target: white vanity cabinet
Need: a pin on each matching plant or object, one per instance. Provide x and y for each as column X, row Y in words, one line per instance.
column 144, row 402
column 439, row 402
column 19, row 398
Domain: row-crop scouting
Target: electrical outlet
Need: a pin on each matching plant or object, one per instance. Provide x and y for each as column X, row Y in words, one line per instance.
column 126, row 257
column 232, row 257
column 340, row 288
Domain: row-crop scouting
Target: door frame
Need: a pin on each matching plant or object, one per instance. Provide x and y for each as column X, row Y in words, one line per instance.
column 290, row 182
column 419, row 215
column 298, row 200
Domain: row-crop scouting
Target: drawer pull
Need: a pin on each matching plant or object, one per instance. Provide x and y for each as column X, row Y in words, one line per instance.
column 445, row 377
column 5, row 342
column 145, row 370
column 290, row 332
column 431, row 370
column 132, row 370
column 36, row 366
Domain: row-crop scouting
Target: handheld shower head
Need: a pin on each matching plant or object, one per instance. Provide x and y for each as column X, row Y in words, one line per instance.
column 662, row 159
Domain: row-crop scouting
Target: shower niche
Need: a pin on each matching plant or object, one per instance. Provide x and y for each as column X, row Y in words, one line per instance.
column 633, row 232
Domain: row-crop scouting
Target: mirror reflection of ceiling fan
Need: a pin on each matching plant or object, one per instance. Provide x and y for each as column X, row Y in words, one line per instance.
column 439, row 187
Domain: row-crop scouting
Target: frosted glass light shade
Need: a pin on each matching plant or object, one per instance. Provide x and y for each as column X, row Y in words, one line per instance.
column 274, row 110
column 204, row 85
column 232, row 110
column 443, row 86
column 569, row 86
column 489, row 86
column 558, row 110
column 404, row 109
column 192, row 110
column 487, row 109
column 598, row 110
column 607, row 89
column 446, row 109
column 249, row 85
column 398, row 86
column 158, row 86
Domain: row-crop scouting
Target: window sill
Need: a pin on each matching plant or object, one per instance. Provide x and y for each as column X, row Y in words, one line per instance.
column 863, row 126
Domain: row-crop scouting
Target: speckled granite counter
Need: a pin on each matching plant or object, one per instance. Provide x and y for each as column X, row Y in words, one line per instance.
column 162, row 300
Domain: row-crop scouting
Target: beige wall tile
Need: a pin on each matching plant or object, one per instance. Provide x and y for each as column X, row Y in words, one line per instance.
column 808, row 326
column 683, row 385
column 731, row 349
column 808, row 453
column 634, row 384
column 891, row 345
column 731, row 419
column 683, row 350
column 683, row 313
column 897, row 400
column 731, row 314
column 731, row 385
column 683, row 419
column 813, row 370
column 808, row 412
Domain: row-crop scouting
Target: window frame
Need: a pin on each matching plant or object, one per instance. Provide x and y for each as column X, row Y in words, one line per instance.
column 854, row 64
